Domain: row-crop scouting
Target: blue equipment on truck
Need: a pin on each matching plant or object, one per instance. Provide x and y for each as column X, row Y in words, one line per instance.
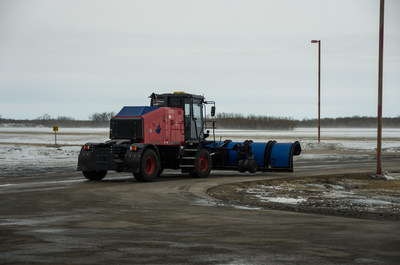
column 171, row 133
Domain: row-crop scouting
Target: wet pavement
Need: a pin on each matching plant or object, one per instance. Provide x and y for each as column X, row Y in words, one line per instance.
column 64, row 219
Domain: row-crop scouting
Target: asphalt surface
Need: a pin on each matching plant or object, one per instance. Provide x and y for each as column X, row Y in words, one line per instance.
column 64, row 219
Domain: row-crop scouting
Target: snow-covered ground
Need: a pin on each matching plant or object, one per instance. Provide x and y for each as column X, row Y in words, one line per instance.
column 26, row 160
column 332, row 138
column 25, row 150
column 341, row 139
column 42, row 135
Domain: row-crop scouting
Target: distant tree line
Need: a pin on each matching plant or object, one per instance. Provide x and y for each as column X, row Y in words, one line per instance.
column 95, row 120
column 254, row 122
column 101, row 117
column 239, row 121
column 223, row 121
column 351, row 122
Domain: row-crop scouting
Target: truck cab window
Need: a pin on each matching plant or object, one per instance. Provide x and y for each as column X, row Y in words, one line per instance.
column 197, row 124
column 187, row 110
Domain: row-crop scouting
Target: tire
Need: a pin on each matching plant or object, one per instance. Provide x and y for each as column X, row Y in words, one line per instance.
column 241, row 167
column 252, row 166
column 202, row 164
column 149, row 167
column 138, row 177
column 160, row 171
column 95, row 174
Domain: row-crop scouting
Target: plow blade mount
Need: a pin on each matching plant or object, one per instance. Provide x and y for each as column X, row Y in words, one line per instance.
column 270, row 156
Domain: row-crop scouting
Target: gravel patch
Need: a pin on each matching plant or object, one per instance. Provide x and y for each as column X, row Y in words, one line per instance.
column 359, row 196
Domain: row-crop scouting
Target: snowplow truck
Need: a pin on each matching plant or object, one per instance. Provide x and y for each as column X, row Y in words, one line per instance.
column 171, row 133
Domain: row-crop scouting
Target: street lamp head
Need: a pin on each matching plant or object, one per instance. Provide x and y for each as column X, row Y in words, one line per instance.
column 315, row 41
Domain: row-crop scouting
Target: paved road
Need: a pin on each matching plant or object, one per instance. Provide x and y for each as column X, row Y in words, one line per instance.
column 64, row 219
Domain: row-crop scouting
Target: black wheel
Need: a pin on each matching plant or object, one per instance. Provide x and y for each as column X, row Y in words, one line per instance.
column 149, row 167
column 252, row 166
column 95, row 174
column 138, row 177
column 241, row 166
column 202, row 164
column 160, row 171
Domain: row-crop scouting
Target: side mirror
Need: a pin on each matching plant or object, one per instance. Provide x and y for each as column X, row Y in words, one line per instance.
column 212, row 111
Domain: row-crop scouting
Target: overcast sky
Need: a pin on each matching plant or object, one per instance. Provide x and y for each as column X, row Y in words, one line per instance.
column 74, row 58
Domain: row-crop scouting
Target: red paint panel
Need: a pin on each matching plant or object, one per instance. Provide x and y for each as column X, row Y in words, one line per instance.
column 164, row 126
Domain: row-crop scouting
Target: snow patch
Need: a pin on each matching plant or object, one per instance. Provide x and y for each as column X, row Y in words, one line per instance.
column 204, row 202
column 241, row 207
column 283, row 200
column 372, row 202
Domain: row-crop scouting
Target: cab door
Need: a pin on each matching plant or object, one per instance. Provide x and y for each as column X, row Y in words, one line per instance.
column 197, row 120
column 193, row 119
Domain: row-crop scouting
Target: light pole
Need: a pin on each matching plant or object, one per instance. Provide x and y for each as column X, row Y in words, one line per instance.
column 319, row 87
column 380, row 77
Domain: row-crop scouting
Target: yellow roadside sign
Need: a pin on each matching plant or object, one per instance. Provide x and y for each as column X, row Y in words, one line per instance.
column 55, row 128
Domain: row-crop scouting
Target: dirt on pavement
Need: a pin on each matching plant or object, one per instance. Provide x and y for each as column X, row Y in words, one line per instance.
column 355, row 195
